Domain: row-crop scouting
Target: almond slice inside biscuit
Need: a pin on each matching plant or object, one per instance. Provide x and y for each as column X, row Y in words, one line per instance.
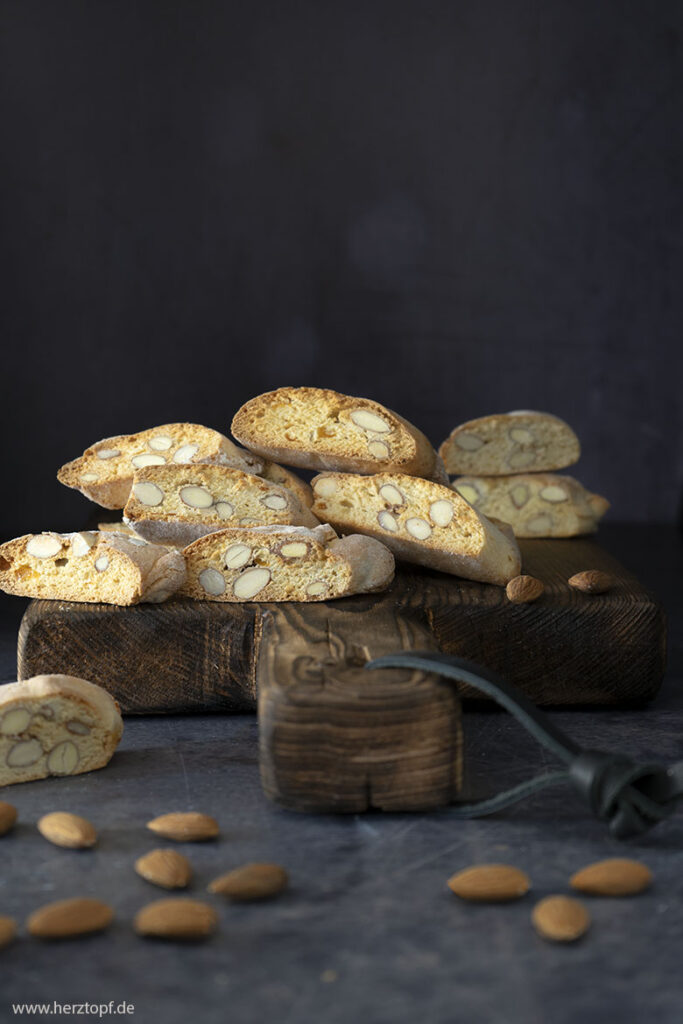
column 379, row 450
column 418, row 528
column 441, row 512
column 367, row 420
column 236, row 556
column 145, row 459
column 468, row 442
column 250, row 583
column 212, row 582
column 196, row 497
column 275, row 501
column 44, row 547
column 186, row 453
column 387, row 521
column 391, row 494
column 160, row 443
column 224, row 510
column 148, row 494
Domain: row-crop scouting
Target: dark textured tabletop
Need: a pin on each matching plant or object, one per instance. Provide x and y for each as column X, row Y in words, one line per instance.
column 368, row 931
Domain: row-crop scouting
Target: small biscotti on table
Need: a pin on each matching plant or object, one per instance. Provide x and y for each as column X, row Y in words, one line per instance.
column 421, row 521
column 535, row 504
column 96, row 567
column 104, row 472
column 55, row 725
column 287, row 563
column 178, row 504
column 510, row 442
column 320, row 429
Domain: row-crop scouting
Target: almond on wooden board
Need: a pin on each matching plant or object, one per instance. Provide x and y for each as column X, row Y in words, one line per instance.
column 68, row 918
column 617, row 876
column 8, row 817
column 166, row 868
column 490, row 883
column 8, row 929
column 592, row 581
column 68, row 830
column 560, row 919
column 188, row 827
column 176, row 919
column 251, row 882
column 524, row 589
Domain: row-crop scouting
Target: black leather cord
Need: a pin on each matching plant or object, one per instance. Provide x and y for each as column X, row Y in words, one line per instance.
column 631, row 797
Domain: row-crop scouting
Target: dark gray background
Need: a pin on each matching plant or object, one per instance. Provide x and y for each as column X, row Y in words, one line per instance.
column 455, row 208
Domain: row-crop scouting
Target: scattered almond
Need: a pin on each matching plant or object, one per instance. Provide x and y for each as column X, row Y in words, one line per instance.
column 560, row 919
column 8, row 816
column 190, row 827
column 523, row 589
column 490, row 883
column 67, row 918
column 251, row 882
column 618, row 876
column 592, row 581
column 166, row 868
column 176, row 919
column 64, row 829
column 8, row 929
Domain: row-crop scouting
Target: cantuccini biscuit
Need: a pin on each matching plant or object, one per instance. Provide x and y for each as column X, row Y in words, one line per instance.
column 509, row 443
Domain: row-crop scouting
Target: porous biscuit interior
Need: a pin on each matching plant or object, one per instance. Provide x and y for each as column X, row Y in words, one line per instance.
column 400, row 507
column 318, row 420
column 268, row 564
column 50, row 729
column 510, row 442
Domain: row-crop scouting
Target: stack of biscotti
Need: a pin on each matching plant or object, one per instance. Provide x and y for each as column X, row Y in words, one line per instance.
column 505, row 466
column 381, row 478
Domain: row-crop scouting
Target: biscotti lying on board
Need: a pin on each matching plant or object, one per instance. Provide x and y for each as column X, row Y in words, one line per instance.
column 509, row 443
column 55, row 725
column 316, row 428
column 420, row 521
column 178, row 504
column 535, row 504
column 104, row 472
column 111, row 568
column 285, row 564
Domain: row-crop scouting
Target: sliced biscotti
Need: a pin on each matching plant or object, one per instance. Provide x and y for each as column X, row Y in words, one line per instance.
column 96, row 567
column 178, row 504
column 287, row 563
column 55, row 725
column 320, row 429
column 421, row 521
column 285, row 478
column 535, row 504
column 104, row 472
column 510, row 442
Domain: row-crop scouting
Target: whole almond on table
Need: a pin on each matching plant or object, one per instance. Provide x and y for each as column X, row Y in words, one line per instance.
column 68, row 830
column 188, row 827
column 617, row 876
column 592, row 581
column 67, row 918
column 490, row 883
column 523, row 589
column 176, row 919
column 560, row 919
column 251, row 882
column 8, row 929
column 166, row 868
column 8, row 817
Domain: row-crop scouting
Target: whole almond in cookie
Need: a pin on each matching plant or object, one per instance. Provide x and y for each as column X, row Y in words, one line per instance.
column 592, row 581
column 67, row 830
column 490, row 883
column 617, row 876
column 560, row 919
column 166, row 868
column 8, row 817
column 8, row 930
column 524, row 589
column 187, row 827
column 68, row 918
column 251, row 882
column 176, row 919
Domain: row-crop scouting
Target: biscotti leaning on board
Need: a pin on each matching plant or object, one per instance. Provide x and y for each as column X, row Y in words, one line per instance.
column 287, row 563
column 316, row 428
column 55, row 725
column 535, row 504
column 421, row 521
column 178, row 504
column 510, row 442
column 110, row 568
column 104, row 472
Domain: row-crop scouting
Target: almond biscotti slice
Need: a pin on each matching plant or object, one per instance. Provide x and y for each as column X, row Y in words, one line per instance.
column 104, row 472
column 178, row 504
column 510, row 442
column 110, row 568
column 315, row 428
column 287, row 563
column 285, row 478
column 421, row 521
column 55, row 725
column 535, row 504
